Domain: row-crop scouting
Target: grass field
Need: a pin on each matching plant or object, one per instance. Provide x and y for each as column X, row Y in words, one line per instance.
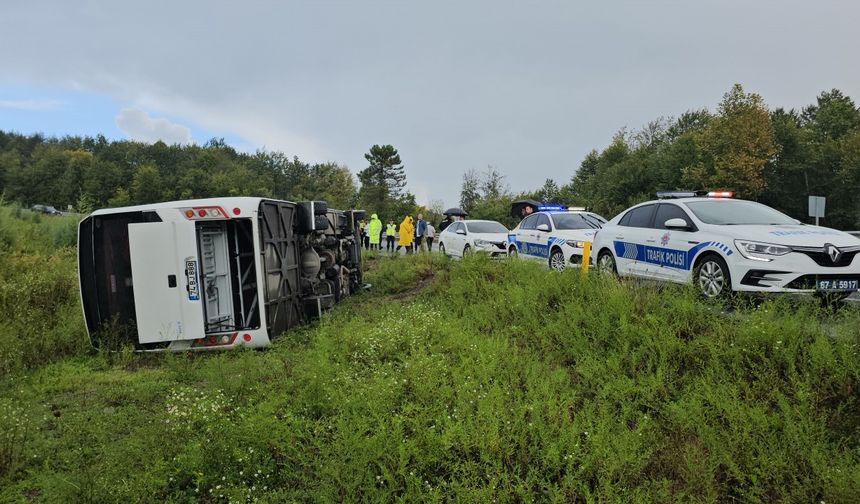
column 471, row 381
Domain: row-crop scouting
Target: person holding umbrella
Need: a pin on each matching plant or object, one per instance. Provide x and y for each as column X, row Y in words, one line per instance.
column 445, row 223
column 521, row 209
column 451, row 215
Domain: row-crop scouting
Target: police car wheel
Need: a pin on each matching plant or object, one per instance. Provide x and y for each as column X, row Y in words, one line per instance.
column 512, row 252
column 712, row 277
column 606, row 263
column 556, row 260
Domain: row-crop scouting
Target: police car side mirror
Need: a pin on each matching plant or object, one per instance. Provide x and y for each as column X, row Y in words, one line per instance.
column 543, row 227
column 461, row 232
column 676, row 223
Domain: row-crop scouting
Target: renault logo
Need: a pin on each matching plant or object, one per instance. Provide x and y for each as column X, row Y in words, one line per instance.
column 833, row 252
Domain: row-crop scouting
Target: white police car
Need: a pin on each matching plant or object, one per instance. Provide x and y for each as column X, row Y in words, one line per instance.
column 725, row 244
column 555, row 235
column 466, row 236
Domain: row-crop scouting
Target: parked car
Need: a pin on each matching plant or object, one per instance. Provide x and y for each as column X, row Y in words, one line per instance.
column 45, row 209
column 724, row 244
column 467, row 236
column 557, row 237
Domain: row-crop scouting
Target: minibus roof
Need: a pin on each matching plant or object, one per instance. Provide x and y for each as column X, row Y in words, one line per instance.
column 245, row 203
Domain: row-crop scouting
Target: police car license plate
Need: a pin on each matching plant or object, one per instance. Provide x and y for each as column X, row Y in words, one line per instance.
column 825, row 284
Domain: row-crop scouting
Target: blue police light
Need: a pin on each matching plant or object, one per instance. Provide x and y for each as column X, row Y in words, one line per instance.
column 552, row 207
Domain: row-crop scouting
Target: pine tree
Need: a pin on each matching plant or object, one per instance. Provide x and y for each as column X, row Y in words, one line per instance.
column 383, row 181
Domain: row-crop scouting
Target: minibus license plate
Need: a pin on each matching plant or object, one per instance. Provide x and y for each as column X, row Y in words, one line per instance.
column 191, row 277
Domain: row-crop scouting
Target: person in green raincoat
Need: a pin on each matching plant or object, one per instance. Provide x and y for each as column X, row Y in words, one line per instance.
column 374, row 231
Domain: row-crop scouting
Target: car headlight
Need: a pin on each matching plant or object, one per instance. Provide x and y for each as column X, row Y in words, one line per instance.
column 760, row 251
column 576, row 243
column 484, row 243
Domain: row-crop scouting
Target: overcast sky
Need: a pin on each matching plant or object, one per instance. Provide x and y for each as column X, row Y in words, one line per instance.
column 528, row 87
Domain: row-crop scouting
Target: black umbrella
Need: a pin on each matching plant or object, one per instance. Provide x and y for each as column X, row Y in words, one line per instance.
column 455, row 211
column 518, row 206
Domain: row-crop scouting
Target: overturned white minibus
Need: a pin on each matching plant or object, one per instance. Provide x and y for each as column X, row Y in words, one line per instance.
column 213, row 273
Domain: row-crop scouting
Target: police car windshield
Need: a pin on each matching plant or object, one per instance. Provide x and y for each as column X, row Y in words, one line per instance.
column 486, row 227
column 737, row 213
column 575, row 221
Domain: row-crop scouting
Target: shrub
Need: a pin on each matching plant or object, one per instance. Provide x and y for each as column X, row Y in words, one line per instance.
column 38, row 291
column 472, row 380
column 15, row 436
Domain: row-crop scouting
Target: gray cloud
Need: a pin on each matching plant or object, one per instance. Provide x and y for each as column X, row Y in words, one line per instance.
column 138, row 125
column 529, row 87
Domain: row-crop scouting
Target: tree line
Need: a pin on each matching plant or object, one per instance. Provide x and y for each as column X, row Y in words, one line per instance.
column 86, row 173
column 777, row 157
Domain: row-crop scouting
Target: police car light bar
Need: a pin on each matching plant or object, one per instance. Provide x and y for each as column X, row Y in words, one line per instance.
column 552, row 208
column 680, row 194
column 720, row 194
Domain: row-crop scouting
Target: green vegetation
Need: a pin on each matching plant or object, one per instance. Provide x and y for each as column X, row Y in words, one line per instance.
column 38, row 290
column 777, row 157
column 383, row 184
column 87, row 173
column 473, row 380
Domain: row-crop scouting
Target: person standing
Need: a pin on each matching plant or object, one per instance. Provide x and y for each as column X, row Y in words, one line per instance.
column 430, row 234
column 374, row 231
column 420, row 229
column 362, row 226
column 390, row 233
column 445, row 223
column 407, row 232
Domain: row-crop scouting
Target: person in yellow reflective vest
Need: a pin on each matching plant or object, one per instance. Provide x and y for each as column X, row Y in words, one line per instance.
column 374, row 231
column 390, row 233
column 407, row 233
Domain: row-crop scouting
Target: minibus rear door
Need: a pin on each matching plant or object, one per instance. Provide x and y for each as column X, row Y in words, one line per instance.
column 165, row 273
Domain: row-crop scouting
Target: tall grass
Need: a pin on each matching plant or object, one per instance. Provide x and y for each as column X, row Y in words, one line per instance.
column 472, row 381
column 38, row 289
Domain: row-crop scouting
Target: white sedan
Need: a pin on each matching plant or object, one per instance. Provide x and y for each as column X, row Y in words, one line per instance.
column 557, row 237
column 724, row 244
column 464, row 237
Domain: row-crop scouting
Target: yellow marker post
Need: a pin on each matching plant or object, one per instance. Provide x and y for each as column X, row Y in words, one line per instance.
column 586, row 257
